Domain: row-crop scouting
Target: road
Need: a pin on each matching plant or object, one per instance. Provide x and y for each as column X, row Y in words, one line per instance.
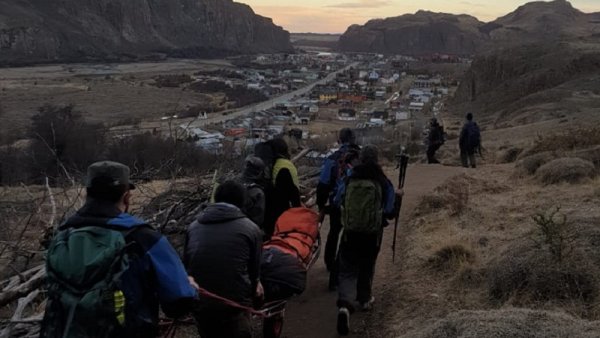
column 220, row 118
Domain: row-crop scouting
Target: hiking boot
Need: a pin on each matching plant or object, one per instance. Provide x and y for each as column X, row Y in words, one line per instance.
column 343, row 321
column 367, row 306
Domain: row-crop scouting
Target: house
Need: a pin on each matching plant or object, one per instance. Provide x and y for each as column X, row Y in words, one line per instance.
column 374, row 76
column 347, row 114
column 416, row 107
column 402, row 115
column 329, row 95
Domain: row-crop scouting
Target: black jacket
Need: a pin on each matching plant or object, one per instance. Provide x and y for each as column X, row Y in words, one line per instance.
column 223, row 251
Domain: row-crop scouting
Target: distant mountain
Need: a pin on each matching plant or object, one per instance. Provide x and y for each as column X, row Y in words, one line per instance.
column 541, row 20
column 78, row 30
column 415, row 34
column 315, row 41
column 426, row 32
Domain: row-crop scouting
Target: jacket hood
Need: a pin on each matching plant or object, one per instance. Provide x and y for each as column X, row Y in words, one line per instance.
column 220, row 213
column 95, row 213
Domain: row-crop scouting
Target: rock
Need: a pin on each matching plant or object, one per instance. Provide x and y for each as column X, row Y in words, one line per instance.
column 82, row 30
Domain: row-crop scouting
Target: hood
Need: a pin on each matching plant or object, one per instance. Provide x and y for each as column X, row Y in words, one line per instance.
column 95, row 213
column 220, row 213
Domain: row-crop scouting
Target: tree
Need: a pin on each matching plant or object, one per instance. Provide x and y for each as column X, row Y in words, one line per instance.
column 64, row 142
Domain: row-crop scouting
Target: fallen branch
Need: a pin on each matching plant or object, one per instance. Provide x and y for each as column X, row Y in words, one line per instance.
column 10, row 295
column 18, row 314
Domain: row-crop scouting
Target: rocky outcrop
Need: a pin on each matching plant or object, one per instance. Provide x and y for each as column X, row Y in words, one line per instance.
column 426, row 32
column 78, row 30
column 415, row 34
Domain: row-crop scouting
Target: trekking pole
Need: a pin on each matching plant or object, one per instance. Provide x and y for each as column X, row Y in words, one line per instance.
column 402, row 166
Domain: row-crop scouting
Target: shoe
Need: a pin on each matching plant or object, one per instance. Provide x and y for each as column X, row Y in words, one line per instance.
column 367, row 306
column 343, row 321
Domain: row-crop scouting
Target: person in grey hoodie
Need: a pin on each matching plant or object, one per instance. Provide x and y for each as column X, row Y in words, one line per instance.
column 223, row 252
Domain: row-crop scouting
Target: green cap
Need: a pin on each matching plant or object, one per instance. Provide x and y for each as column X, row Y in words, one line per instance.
column 107, row 173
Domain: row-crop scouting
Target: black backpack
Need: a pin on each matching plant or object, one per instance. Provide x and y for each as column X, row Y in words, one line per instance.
column 265, row 152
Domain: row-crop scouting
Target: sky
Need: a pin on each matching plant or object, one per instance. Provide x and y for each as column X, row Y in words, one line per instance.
column 334, row 16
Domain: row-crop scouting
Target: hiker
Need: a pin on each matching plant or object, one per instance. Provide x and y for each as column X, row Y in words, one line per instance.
column 285, row 182
column 469, row 142
column 435, row 140
column 108, row 271
column 254, row 179
column 223, row 252
column 367, row 200
column 333, row 172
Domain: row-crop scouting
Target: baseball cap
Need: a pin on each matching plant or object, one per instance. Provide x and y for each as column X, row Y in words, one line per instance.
column 108, row 173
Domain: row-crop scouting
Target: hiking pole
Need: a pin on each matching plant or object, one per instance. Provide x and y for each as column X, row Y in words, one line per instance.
column 402, row 166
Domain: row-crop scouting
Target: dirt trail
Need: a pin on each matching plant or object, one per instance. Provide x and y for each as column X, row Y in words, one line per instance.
column 314, row 313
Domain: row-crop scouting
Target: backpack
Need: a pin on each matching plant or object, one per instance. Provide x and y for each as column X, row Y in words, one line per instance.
column 473, row 136
column 264, row 151
column 255, row 204
column 362, row 206
column 84, row 267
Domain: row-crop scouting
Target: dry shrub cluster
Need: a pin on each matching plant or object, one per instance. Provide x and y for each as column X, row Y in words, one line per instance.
column 509, row 155
column 508, row 323
column 530, row 164
column 571, row 170
column 572, row 139
column 451, row 257
column 530, row 276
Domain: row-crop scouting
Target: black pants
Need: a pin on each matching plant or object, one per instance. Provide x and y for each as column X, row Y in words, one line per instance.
column 331, row 247
column 431, row 149
column 357, row 258
column 218, row 323
column 467, row 157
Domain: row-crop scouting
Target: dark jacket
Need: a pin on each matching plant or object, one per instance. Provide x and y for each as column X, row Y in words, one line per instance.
column 284, row 195
column 155, row 275
column 470, row 138
column 436, row 135
column 330, row 174
column 223, row 251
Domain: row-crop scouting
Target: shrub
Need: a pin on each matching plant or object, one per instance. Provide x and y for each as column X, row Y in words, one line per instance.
column 571, row 170
column 571, row 139
column 530, row 164
column 451, row 257
column 172, row 80
column 510, row 155
column 554, row 233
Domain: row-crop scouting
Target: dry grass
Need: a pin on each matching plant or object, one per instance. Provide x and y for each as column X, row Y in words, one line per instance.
column 508, row 323
column 451, row 257
column 571, row 139
column 571, row 170
column 530, row 164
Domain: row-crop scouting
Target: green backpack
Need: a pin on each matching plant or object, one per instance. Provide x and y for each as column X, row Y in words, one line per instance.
column 84, row 267
column 362, row 207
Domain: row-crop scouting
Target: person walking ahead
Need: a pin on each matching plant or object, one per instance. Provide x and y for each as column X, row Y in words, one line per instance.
column 367, row 200
column 469, row 142
column 223, row 252
column 333, row 171
column 109, row 271
column 435, row 140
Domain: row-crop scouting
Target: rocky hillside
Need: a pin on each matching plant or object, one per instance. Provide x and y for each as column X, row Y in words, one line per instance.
column 420, row 33
column 426, row 32
column 79, row 30
column 532, row 83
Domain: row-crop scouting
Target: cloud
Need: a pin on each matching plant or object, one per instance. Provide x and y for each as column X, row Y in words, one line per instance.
column 362, row 4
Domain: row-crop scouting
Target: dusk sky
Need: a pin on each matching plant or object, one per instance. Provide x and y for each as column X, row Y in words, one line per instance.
column 334, row 16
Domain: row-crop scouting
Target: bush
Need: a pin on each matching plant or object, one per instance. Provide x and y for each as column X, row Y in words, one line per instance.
column 530, row 164
column 508, row 323
column 451, row 257
column 534, row 275
column 152, row 157
column 172, row 81
column 64, row 143
column 554, row 233
column 571, row 170
column 571, row 139
column 453, row 196
column 510, row 155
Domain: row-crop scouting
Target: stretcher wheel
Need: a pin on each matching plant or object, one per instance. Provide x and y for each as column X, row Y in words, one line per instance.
column 273, row 326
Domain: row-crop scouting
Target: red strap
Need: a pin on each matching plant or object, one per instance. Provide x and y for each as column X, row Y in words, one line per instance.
column 231, row 303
